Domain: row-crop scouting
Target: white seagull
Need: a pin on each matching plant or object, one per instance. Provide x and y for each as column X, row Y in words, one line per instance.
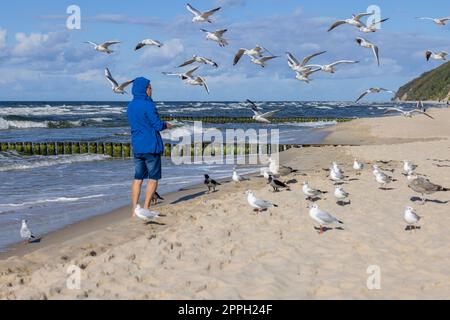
column 144, row 214
column 322, row 217
column 409, row 167
column 104, row 47
column 259, row 116
column 368, row 45
column 258, row 204
column 438, row 21
column 116, row 88
column 331, row 68
column 201, row 16
column 358, row 166
column 199, row 59
column 304, row 76
column 408, row 114
column 256, row 52
column 262, row 61
column 301, row 67
column 188, row 78
column 411, row 218
column 383, row 179
column 25, row 232
column 310, row 192
column 216, row 36
column 436, row 56
column 355, row 21
column 372, row 27
column 341, row 194
column 148, row 42
column 237, row 177
column 373, row 90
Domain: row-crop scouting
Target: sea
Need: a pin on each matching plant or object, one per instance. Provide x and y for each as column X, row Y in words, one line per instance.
column 53, row 192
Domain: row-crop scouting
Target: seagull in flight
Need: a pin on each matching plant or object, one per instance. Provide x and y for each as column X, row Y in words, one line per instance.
column 301, row 67
column 148, row 42
column 372, row 27
column 188, row 78
column 199, row 59
column 116, row 88
column 262, row 61
column 216, row 36
column 259, row 116
column 256, row 52
column 438, row 21
column 373, row 90
column 201, row 16
column 304, row 76
column 355, row 21
column 368, row 45
column 104, row 47
column 436, row 56
column 331, row 68
column 408, row 114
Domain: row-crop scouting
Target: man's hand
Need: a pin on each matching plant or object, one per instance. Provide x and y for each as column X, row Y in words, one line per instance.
column 169, row 125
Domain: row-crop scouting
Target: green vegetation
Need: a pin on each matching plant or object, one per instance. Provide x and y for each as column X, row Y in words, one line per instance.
column 430, row 86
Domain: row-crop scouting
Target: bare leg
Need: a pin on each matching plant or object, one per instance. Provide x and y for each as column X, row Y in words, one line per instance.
column 149, row 192
column 135, row 194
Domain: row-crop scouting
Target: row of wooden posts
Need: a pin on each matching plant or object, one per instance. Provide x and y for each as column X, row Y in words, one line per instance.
column 223, row 120
column 124, row 150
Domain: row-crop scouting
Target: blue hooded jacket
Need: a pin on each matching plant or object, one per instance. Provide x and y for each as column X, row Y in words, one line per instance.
column 144, row 121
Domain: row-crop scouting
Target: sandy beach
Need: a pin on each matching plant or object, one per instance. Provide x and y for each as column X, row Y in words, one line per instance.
column 214, row 247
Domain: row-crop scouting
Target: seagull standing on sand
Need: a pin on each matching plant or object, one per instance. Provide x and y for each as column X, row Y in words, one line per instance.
column 373, row 90
column 311, row 193
column 383, row 179
column 104, row 47
column 322, row 217
column 408, row 167
column 436, row 56
column 341, row 195
column 331, row 68
column 408, row 114
column 211, row 184
column 301, row 67
column 145, row 214
column 216, row 36
column 438, row 21
column 199, row 60
column 336, row 176
column 25, row 232
column 411, row 218
column 259, row 204
column 277, row 184
column 355, row 21
column 259, row 116
column 116, row 88
column 358, row 166
column 424, row 186
column 148, row 42
column 256, row 52
column 201, row 16
column 238, row 178
column 372, row 27
column 368, row 45
column 278, row 170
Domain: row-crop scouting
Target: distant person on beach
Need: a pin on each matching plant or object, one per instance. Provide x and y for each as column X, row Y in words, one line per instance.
column 148, row 145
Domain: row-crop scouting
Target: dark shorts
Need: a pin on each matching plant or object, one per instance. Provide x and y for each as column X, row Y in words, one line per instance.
column 148, row 166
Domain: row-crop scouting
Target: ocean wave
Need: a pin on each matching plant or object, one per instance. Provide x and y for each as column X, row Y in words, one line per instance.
column 28, row 124
column 18, row 124
column 48, row 110
column 53, row 200
column 25, row 163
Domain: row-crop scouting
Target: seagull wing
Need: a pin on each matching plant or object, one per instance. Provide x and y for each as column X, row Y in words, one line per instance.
column 363, row 95
column 376, row 53
column 172, row 74
column 292, row 59
column 422, row 112
column 193, row 10
column 425, row 18
column 125, row 84
column 210, row 12
column 110, row 78
column 325, row 217
column 386, row 90
column 109, row 43
column 204, row 84
column 238, row 56
column 270, row 114
column 306, row 59
column 210, row 62
column 92, row 43
column 187, row 62
column 264, row 59
column 140, row 45
column 394, row 110
column 255, row 108
column 191, row 72
column 373, row 24
column 358, row 17
column 263, row 203
column 220, row 33
column 343, row 61
column 336, row 24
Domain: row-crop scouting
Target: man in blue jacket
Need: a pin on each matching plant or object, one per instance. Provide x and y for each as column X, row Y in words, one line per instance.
column 147, row 143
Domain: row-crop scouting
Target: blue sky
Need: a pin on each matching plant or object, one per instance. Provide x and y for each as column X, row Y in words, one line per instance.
column 41, row 60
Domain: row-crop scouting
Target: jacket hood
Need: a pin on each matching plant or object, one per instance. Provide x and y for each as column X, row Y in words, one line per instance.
column 140, row 88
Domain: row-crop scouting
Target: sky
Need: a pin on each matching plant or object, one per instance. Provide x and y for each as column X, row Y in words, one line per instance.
column 42, row 60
